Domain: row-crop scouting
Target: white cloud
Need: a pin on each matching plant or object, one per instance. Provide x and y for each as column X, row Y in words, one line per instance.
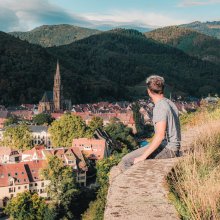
column 136, row 17
column 23, row 15
column 190, row 3
column 29, row 14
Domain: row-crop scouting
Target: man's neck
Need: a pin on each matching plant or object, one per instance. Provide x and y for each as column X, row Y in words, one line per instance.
column 157, row 98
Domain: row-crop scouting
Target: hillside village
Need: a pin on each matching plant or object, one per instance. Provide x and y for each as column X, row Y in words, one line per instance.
column 75, row 110
column 20, row 169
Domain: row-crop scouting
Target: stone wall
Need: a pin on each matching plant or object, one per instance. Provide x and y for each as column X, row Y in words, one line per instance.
column 140, row 192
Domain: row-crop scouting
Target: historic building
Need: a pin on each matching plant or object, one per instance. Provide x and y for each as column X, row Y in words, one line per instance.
column 52, row 101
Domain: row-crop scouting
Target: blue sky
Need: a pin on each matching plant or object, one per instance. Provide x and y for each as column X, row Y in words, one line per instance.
column 25, row 15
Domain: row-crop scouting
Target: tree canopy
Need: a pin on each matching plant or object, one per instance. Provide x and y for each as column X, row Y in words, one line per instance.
column 18, row 137
column 121, row 133
column 62, row 188
column 63, row 131
column 26, row 206
column 95, row 123
column 42, row 119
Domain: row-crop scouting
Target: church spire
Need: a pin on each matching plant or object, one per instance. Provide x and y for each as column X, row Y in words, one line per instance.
column 57, row 90
column 57, row 77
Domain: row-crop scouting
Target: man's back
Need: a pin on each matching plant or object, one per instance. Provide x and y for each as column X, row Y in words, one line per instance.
column 166, row 110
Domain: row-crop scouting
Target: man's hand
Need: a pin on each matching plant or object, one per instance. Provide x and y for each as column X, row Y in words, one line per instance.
column 139, row 159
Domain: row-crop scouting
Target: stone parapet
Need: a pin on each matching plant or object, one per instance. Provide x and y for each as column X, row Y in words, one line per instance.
column 140, row 192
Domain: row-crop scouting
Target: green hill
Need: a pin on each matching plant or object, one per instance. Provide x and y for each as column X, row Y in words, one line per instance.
column 26, row 70
column 126, row 57
column 105, row 66
column 209, row 28
column 189, row 41
column 55, row 35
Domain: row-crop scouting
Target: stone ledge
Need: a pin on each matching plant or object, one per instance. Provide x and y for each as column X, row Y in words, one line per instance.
column 140, row 192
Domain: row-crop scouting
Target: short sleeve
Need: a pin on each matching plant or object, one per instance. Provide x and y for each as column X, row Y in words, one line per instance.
column 159, row 114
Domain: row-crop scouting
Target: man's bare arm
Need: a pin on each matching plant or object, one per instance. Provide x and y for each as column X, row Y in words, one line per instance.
column 158, row 138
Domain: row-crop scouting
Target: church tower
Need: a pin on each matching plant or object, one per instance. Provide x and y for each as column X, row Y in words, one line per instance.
column 58, row 91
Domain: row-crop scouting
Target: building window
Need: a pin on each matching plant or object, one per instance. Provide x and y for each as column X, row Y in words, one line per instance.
column 19, row 187
column 42, row 184
column 35, row 184
column 25, row 187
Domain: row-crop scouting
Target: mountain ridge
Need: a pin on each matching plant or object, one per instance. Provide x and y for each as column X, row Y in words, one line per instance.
column 55, row 35
column 100, row 67
column 190, row 41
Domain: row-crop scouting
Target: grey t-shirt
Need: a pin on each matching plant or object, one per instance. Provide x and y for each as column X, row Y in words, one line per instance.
column 166, row 110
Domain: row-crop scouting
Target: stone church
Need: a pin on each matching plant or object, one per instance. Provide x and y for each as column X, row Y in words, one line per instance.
column 52, row 101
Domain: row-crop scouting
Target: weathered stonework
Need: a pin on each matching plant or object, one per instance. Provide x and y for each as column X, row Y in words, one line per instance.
column 140, row 192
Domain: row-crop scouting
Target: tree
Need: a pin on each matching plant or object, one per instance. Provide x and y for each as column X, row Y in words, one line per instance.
column 26, row 206
column 42, row 118
column 11, row 120
column 97, row 207
column 63, row 131
column 121, row 133
column 95, row 123
column 137, row 117
column 62, row 188
column 18, row 137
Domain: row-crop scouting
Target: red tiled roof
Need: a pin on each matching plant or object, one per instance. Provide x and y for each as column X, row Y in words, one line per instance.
column 26, row 114
column 90, row 147
column 56, row 115
column 16, row 171
column 33, row 169
column 22, row 173
column 35, row 150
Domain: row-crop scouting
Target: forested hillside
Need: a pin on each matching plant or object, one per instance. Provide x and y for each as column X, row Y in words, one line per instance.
column 208, row 28
column 126, row 57
column 100, row 67
column 189, row 41
column 55, row 35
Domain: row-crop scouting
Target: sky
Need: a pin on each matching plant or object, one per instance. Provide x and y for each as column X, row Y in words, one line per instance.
column 24, row 15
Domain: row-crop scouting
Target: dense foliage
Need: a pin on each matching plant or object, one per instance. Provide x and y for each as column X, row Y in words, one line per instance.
column 189, row 41
column 42, row 119
column 95, row 123
column 121, row 58
column 121, row 134
column 96, row 208
column 17, row 137
column 63, row 131
column 62, row 188
column 26, row 206
column 55, row 35
column 100, row 67
column 10, row 120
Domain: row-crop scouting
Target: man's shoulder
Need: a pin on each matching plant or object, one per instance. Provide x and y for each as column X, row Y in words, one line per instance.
column 163, row 104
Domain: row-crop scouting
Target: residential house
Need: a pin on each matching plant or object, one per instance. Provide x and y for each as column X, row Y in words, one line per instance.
column 19, row 177
column 93, row 149
column 40, row 135
column 8, row 155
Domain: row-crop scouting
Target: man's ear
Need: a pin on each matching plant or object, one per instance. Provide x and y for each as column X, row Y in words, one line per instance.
column 149, row 92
